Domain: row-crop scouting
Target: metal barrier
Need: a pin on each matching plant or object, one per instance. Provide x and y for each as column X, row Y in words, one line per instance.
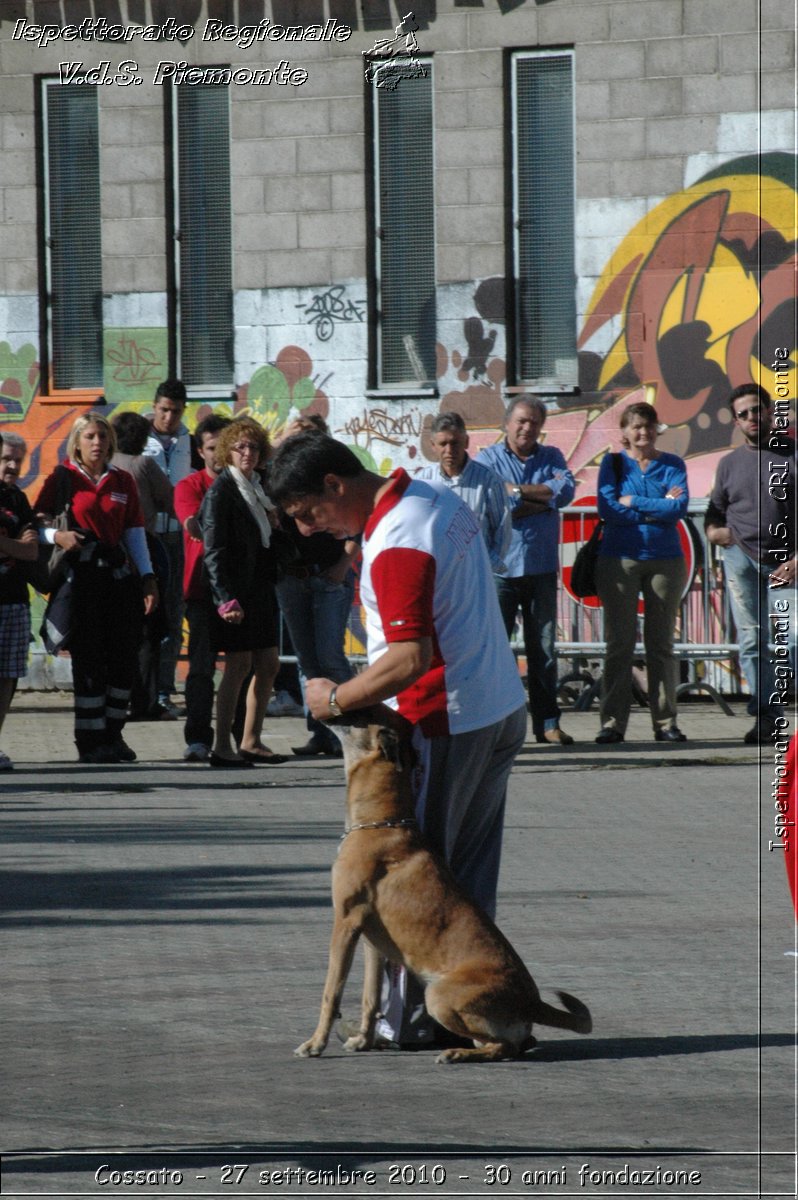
column 702, row 629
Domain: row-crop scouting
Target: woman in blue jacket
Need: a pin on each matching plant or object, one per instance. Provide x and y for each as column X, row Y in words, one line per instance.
column 641, row 497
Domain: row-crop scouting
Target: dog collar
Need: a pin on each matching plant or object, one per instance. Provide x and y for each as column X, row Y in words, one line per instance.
column 405, row 823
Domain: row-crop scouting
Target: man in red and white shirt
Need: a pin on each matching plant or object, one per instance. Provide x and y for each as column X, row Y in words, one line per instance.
column 437, row 648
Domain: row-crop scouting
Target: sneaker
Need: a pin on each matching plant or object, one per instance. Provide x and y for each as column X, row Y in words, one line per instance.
column 283, row 704
column 122, row 751
column 5, row 762
column 197, row 752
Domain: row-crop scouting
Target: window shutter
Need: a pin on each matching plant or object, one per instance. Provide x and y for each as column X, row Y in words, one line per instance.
column 74, row 253
column 545, row 279
column 405, row 220
column 205, row 270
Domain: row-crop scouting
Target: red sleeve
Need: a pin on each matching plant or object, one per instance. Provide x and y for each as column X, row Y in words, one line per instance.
column 188, row 498
column 404, row 583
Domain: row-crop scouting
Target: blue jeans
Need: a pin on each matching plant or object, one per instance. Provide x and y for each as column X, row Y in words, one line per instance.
column 316, row 612
column 537, row 597
column 753, row 604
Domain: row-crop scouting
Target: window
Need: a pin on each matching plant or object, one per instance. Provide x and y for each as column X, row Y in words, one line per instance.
column 72, row 334
column 404, row 224
column 543, row 270
column 203, row 262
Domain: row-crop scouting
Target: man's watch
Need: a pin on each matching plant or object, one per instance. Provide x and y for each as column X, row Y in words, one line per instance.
column 333, row 704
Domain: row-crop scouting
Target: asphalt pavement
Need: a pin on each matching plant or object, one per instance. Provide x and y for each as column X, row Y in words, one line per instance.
column 165, row 932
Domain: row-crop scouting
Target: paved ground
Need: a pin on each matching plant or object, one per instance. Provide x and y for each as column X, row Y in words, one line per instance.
column 164, row 944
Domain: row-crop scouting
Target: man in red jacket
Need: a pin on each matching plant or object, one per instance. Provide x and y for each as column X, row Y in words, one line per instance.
column 189, row 494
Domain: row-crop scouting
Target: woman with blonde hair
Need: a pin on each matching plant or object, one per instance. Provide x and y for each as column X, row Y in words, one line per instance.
column 237, row 520
column 112, row 580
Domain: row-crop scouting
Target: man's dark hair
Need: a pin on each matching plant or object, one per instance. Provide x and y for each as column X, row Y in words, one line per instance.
column 301, row 463
column 132, row 431
column 750, row 389
column 172, row 389
column 214, row 423
column 449, row 421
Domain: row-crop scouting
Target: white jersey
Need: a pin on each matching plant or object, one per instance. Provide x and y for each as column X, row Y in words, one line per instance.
column 425, row 573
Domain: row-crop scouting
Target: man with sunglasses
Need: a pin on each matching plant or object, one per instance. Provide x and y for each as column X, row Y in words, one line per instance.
column 752, row 515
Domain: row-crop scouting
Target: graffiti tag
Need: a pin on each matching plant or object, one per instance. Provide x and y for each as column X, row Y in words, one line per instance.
column 133, row 363
column 377, row 425
column 328, row 307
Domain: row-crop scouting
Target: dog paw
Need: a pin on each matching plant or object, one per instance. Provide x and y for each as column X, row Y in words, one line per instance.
column 309, row 1049
column 448, row 1056
column 358, row 1041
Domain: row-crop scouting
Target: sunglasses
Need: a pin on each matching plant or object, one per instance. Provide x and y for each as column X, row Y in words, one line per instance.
column 748, row 412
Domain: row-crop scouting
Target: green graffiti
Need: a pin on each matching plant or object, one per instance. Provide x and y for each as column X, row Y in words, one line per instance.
column 134, row 363
column 19, row 380
column 270, row 395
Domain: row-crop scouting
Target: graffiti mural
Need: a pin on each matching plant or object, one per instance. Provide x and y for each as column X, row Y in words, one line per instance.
column 135, row 361
column 698, row 297
column 19, row 381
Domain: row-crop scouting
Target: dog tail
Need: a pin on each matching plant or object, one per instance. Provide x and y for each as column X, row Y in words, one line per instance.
column 577, row 1018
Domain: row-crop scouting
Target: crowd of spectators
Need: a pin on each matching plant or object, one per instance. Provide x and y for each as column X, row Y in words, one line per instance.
column 155, row 525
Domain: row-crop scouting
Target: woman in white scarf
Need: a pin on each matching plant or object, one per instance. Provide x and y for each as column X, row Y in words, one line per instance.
column 237, row 519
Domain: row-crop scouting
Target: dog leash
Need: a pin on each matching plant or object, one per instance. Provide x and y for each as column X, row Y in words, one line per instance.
column 405, row 823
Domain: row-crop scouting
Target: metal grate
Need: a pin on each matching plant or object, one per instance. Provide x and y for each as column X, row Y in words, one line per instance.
column 72, row 234
column 204, row 254
column 543, row 202
column 405, row 218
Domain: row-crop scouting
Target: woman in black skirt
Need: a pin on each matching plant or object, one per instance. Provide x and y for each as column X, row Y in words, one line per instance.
column 237, row 520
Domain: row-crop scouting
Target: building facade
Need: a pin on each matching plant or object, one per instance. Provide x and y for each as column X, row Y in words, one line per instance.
column 338, row 206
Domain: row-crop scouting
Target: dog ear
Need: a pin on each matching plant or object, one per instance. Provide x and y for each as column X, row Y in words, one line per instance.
column 390, row 745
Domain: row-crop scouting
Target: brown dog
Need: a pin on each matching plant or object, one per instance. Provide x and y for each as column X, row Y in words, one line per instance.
column 390, row 887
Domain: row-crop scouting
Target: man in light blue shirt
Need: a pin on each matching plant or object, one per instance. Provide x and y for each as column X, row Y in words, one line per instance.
column 538, row 483
column 476, row 485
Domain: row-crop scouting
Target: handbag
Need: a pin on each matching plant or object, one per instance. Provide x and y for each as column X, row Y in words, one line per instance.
column 583, row 571
column 46, row 572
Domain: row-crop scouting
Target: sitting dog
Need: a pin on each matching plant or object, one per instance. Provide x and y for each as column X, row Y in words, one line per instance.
column 390, row 887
